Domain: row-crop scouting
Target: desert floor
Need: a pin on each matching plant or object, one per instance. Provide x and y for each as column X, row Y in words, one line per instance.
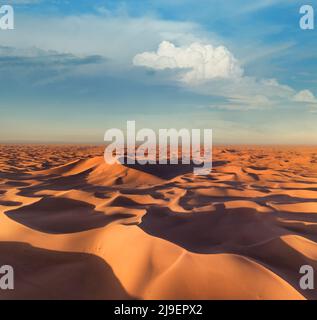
column 74, row 227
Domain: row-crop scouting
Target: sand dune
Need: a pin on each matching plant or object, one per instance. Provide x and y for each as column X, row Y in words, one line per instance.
column 74, row 227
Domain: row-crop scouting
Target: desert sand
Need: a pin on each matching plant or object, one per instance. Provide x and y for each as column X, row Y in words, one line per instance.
column 74, row 227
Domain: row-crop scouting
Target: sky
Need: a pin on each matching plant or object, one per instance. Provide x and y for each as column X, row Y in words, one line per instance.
column 70, row 70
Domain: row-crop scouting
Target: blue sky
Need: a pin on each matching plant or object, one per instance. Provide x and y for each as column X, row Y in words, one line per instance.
column 72, row 69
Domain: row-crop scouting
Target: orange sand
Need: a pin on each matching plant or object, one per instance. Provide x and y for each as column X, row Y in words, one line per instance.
column 74, row 227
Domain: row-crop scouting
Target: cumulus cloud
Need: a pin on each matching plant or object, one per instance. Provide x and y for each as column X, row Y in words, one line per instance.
column 214, row 71
column 305, row 96
column 200, row 62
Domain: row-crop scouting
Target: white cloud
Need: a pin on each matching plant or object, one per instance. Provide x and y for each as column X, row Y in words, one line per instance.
column 246, row 93
column 214, row 71
column 201, row 62
column 305, row 96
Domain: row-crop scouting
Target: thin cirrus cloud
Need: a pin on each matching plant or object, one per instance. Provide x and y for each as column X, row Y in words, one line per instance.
column 35, row 57
column 22, row 2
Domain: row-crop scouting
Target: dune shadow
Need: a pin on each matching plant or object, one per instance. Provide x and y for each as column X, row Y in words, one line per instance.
column 49, row 275
column 15, row 176
column 214, row 231
column 62, row 215
column 163, row 171
column 10, row 203
column 17, row 183
column 168, row 171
